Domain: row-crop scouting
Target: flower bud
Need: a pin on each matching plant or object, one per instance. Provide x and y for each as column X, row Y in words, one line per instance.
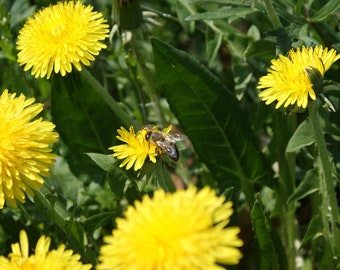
column 316, row 79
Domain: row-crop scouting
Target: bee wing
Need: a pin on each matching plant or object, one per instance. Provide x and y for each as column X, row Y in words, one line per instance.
column 163, row 145
column 169, row 148
column 175, row 137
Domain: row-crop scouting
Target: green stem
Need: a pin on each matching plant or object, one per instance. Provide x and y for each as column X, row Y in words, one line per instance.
column 116, row 109
column 291, row 235
column 248, row 190
column 290, row 208
column 288, row 218
column 149, row 82
column 61, row 219
column 287, row 184
column 329, row 206
column 272, row 14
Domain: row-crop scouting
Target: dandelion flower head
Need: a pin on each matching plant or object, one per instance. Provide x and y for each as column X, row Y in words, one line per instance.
column 43, row 259
column 183, row 230
column 287, row 81
column 136, row 147
column 60, row 36
column 25, row 153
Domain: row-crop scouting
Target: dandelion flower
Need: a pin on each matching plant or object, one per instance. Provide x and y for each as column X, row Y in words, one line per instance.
column 25, row 155
column 288, row 82
column 136, row 148
column 183, row 230
column 43, row 259
column 60, row 36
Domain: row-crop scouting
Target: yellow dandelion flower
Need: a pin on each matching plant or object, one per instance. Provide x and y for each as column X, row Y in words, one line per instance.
column 43, row 259
column 60, row 36
column 135, row 150
column 183, row 230
column 287, row 81
column 25, row 155
column 137, row 147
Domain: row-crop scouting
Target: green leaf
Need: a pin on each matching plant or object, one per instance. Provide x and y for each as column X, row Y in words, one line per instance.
column 304, row 35
column 331, row 7
column 210, row 116
column 272, row 254
column 263, row 49
column 224, row 2
column 225, row 13
column 243, row 76
column 309, row 185
column 106, row 162
column 133, row 194
column 116, row 176
column 64, row 181
column 183, row 10
column 83, row 120
column 20, row 10
column 303, row 136
column 61, row 218
column 163, row 178
column 213, row 42
column 314, row 230
column 96, row 221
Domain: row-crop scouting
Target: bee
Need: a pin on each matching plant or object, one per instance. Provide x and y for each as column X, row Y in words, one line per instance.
column 165, row 140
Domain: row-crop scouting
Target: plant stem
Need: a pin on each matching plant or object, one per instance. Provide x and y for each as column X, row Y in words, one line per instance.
column 287, row 181
column 248, row 190
column 149, row 83
column 272, row 14
column 287, row 184
column 69, row 228
column 114, row 106
column 329, row 207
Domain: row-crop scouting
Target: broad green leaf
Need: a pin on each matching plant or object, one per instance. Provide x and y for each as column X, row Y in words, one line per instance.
column 83, row 120
column 272, row 254
column 303, row 136
column 224, row 13
column 210, row 116
column 309, row 185
column 331, row 7
column 106, row 162
column 116, row 176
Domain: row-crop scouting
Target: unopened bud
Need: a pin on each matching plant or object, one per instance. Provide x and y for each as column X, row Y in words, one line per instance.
column 316, row 79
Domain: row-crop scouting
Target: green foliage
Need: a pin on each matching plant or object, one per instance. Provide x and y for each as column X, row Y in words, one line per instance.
column 271, row 251
column 194, row 64
column 83, row 120
column 301, row 138
column 204, row 109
